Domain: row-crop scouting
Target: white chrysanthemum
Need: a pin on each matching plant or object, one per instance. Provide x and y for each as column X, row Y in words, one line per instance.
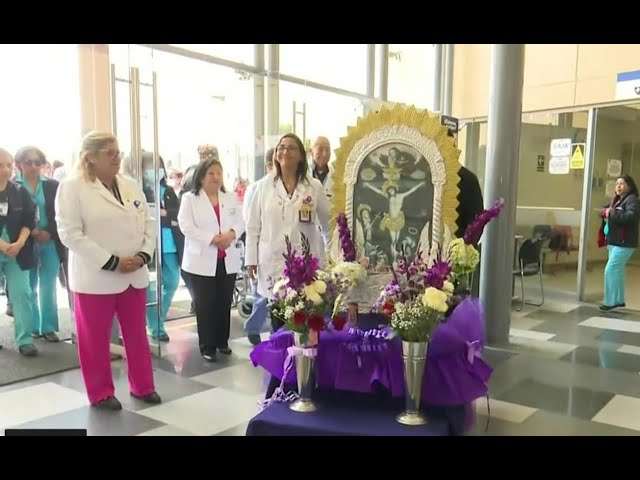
column 463, row 256
column 291, row 295
column 354, row 273
column 280, row 286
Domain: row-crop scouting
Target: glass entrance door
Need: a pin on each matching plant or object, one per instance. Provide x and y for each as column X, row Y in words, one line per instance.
column 135, row 124
column 617, row 152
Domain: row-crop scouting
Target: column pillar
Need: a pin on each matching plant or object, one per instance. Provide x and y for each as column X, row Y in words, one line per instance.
column 501, row 181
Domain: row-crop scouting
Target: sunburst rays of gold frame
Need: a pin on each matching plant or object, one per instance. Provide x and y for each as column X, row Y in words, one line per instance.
column 428, row 126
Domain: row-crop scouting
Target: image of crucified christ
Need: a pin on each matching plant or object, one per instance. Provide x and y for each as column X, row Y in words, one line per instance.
column 394, row 220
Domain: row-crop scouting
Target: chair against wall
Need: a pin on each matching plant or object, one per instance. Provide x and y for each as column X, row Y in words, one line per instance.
column 530, row 264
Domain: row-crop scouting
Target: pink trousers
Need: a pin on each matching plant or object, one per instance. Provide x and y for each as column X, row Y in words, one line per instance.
column 94, row 316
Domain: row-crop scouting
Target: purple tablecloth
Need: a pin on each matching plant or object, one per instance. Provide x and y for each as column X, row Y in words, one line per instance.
column 348, row 415
column 455, row 373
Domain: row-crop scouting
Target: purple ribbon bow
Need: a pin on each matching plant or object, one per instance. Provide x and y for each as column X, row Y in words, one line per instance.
column 278, row 394
column 473, row 350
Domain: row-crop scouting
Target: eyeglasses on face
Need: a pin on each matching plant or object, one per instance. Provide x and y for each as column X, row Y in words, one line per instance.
column 285, row 148
column 111, row 153
column 33, row 162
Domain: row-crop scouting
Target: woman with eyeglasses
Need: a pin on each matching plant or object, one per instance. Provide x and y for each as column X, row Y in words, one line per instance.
column 17, row 220
column 290, row 204
column 105, row 222
column 48, row 250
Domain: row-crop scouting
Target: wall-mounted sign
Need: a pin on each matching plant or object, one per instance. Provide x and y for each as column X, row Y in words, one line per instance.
column 559, row 165
column 577, row 156
column 450, row 122
column 540, row 167
column 614, row 168
column 560, row 147
column 628, row 85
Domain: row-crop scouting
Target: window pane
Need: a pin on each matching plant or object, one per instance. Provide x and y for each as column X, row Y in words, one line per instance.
column 411, row 72
column 242, row 53
column 198, row 103
column 40, row 107
column 317, row 113
column 342, row 66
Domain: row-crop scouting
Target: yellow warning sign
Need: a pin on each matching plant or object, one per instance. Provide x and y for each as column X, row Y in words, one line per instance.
column 577, row 156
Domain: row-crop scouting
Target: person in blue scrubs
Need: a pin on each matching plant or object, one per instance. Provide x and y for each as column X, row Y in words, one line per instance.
column 621, row 231
column 47, row 248
column 171, row 245
column 17, row 220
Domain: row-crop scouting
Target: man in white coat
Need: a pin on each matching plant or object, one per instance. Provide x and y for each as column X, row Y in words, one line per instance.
column 319, row 167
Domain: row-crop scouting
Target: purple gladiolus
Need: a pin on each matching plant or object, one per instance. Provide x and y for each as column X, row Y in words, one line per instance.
column 348, row 248
column 474, row 231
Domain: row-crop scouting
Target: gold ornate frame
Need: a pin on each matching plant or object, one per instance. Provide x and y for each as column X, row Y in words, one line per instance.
column 418, row 130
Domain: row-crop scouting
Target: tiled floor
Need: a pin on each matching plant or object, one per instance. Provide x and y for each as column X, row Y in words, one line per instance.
column 568, row 370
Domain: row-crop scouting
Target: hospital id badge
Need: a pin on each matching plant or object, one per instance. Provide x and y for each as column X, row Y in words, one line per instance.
column 305, row 214
column 37, row 215
column 4, row 209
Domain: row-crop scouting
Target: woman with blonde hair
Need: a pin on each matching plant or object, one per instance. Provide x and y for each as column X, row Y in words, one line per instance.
column 104, row 221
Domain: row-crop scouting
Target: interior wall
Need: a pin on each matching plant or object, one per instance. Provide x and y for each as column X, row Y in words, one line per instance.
column 556, row 75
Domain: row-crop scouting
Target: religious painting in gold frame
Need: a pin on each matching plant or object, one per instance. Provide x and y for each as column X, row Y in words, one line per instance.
column 396, row 179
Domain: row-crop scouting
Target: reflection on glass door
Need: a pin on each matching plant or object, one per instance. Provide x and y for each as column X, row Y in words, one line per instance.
column 182, row 103
column 617, row 152
column 550, row 187
column 134, row 92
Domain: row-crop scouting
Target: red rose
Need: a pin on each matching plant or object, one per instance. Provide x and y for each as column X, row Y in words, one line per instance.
column 339, row 321
column 316, row 322
column 299, row 318
column 388, row 308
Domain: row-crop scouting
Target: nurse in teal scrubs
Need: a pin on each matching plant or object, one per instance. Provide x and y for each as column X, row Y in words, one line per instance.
column 171, row 244
column 17, row 221
column 46, row 246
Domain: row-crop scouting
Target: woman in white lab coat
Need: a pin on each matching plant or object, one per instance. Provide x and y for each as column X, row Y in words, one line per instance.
column 104, row 221
column 211, row 220
column 291, row 204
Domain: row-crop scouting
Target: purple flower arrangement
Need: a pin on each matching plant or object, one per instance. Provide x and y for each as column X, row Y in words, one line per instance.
column 346, row 243
column 300, row 270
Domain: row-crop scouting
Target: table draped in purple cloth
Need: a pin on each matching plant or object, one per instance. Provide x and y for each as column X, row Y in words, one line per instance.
column 455, row 373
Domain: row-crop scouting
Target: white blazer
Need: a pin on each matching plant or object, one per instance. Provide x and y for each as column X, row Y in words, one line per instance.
column 272, row 215
column 199, row 223
column 94, row 225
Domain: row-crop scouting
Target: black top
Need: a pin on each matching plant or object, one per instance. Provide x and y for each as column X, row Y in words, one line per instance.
column 624, row 221
column 50, row 189
column 470, row 201
column 21, row 213
column 187, row 180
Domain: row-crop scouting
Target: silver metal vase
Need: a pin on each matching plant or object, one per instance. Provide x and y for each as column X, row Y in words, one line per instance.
column 306, row 378
column 414, row 356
